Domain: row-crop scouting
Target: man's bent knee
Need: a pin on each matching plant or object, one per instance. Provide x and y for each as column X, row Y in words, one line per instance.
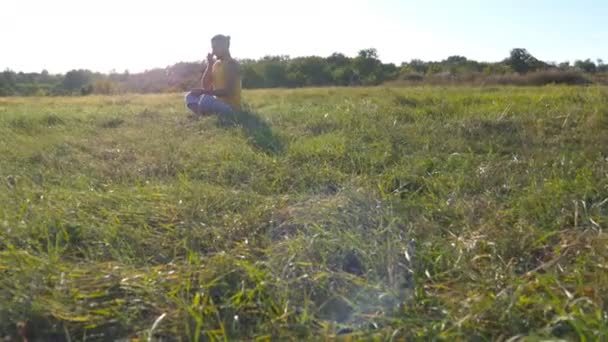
column 192, row 102
column 191, row 98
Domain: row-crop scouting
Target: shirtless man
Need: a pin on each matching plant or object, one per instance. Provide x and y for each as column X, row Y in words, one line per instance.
column 221, row 82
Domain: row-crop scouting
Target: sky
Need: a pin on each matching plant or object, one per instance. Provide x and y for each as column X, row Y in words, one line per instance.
column 61, row 35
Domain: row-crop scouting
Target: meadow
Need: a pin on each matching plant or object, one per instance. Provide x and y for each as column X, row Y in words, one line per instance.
column 381, row 213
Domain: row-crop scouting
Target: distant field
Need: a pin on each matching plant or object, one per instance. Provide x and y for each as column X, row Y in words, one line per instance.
column 349, row 213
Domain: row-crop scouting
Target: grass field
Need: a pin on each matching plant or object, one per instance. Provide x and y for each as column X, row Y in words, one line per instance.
column 360, row 213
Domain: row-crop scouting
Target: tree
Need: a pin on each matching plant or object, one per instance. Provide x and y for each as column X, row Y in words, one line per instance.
column 75, row 80
column 368, row 54
column 433, row 68
column 416, row 65
column 456, row 59
column 564, row 65
column 8, row 81
column 390, row 71
column 460, row 64
column 343, row 76
column 274, row 73
column 314, row 70
column 587, row 65
column 9, row 77
column 250, row 77
column 368, row 66
column 522, row 61
column 338, row 60
column 601, row 67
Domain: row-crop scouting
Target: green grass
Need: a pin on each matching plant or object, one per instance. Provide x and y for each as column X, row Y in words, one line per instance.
column 367, row 213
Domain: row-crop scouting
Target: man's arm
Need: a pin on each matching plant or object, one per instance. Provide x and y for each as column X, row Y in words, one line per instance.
column 207, row 80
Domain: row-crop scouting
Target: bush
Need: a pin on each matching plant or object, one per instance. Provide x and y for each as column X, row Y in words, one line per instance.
column 541, row 78
column 412, row 76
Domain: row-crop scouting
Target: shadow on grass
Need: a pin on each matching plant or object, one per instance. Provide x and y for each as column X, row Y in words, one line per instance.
column 258, row 131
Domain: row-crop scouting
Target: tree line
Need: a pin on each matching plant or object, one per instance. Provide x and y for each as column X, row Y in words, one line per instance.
column 365, row 68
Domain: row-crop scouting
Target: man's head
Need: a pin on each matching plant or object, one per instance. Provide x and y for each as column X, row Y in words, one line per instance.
column 220, row 45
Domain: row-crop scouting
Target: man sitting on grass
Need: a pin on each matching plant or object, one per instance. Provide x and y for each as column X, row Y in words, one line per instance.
column 221, row 82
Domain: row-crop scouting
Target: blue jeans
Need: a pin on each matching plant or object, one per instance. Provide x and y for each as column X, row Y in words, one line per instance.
column 206, row 104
